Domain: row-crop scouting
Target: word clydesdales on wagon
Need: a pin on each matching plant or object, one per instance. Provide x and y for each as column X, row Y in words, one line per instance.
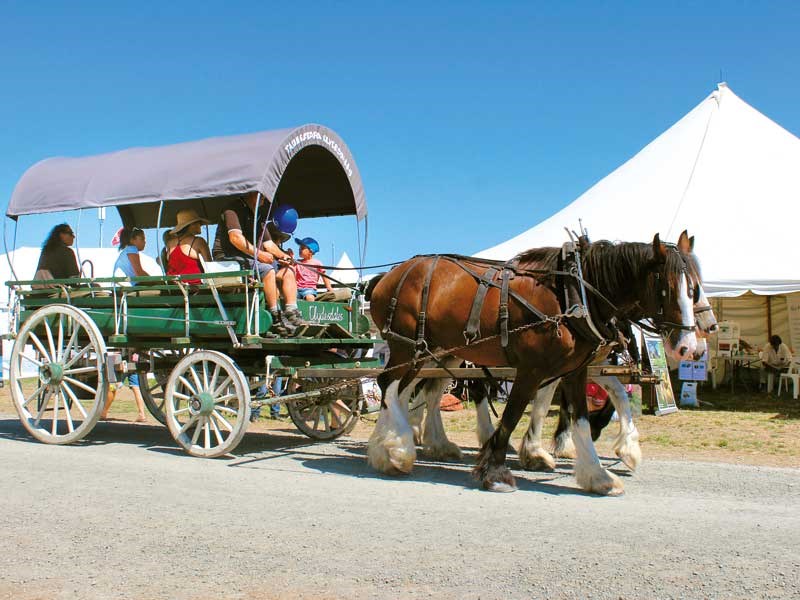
column 199, row 350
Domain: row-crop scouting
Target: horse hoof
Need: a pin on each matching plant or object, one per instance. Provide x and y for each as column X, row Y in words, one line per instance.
column 601, row 482
column 536, row 460
column 565, row 453
column 391, row 455
column 565, row 447
column 444, row 452
column 500, row 487
column 494, row 478
column 631, row 456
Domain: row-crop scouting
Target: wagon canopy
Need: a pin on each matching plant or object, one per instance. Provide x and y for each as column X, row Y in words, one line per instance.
column 308, row 167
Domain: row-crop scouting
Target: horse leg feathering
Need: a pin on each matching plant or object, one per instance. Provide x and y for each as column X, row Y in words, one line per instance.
column 391, row 447
column 589, row 473
column 626, row 444
column 491, row 470
column 435, row 444
column 532, row 455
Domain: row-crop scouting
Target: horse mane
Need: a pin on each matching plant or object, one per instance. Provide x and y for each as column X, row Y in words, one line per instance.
column 609, row 265
column 545, row 259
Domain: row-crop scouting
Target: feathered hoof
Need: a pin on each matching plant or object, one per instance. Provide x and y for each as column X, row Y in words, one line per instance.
column 392, row 455
column 565, row 447
column 446, row 451
column 500, row 487
column 495, row 479
column 630, row 453
column 536, row 459
column 601, row 482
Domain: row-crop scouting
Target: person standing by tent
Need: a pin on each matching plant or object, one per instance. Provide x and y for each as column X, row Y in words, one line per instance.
column 775, row 359
column 57, row 260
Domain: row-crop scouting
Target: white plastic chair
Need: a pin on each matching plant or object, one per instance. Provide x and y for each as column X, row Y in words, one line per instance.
column 794, row 376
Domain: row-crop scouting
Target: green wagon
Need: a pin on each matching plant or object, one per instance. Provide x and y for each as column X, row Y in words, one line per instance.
column 201, row 351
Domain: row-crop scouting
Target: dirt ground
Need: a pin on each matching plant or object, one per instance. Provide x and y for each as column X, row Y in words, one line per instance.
column 744, row 428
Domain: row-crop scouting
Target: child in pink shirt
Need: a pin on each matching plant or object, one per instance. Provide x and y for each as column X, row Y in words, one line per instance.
column 308, row 269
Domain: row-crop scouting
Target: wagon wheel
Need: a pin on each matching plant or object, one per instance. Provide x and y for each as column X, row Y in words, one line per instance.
column 207, row 403
column 151, row 383
column 328, row 416
column 70, row 392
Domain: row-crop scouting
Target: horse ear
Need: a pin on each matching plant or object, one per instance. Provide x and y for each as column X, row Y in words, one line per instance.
column 659, row 250
column 685, row 243
column 691, row 244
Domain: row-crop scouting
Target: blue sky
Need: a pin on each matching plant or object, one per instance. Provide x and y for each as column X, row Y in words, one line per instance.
column 470, row 121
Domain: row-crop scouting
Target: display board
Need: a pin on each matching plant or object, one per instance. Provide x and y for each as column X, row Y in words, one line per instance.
column 665, row 398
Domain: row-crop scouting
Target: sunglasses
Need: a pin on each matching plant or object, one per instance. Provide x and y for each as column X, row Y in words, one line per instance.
column 72, row 233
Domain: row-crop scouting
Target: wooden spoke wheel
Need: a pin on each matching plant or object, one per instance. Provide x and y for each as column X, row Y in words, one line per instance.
column 207, row 403
column 152, row 383
column 68, row 354
column 328, row 416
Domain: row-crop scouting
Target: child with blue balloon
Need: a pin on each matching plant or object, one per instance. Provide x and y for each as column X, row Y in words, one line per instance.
column 234, row 240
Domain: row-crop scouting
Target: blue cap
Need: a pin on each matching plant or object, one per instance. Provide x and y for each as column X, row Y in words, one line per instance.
column 309, row 243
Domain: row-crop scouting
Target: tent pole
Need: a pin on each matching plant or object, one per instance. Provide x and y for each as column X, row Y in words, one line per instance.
column 160, row 247
column 5, row 245
column 769, row 317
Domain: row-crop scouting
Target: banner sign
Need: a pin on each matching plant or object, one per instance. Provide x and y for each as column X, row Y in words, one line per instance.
column 665, row 398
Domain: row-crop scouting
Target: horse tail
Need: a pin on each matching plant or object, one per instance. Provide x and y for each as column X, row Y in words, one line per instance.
column 372, row 284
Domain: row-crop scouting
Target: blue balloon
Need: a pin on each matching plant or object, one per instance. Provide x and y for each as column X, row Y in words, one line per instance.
column 285, row 218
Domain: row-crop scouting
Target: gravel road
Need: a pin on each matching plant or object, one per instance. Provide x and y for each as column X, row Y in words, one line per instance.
column 127, row 515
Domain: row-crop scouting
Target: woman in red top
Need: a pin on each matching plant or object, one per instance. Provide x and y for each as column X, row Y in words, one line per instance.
column 184, row 258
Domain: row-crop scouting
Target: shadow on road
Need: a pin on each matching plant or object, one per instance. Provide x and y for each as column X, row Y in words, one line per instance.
column 342, row 457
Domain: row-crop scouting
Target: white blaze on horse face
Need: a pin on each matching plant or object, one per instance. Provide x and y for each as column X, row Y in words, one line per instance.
column 706, row 320
column 686, row 343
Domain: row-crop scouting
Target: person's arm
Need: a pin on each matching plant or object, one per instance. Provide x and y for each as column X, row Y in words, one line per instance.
column 784, row 355
column 327, row 283
column 136, row 263
column 242, row 245
column 275, row 251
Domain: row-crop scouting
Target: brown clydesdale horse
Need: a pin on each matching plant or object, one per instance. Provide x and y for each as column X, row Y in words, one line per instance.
column 637, row 281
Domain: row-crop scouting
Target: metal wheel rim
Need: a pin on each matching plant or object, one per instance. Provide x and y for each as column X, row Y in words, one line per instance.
column 73, row 345
column 328, row 418
column 220, row 431
column 153, row 390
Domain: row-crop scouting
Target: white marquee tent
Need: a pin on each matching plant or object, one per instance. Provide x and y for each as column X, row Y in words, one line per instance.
column 348, row 273
column 729, row 175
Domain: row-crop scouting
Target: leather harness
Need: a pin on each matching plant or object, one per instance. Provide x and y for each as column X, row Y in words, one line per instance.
column 573, row 301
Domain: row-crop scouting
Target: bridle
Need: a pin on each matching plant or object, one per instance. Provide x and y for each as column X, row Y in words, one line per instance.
column 661, row 325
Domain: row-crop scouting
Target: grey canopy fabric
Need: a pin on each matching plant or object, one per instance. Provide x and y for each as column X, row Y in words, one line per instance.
column 308, row 167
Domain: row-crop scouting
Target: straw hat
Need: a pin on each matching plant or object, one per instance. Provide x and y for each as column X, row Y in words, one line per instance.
column 186, row 217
